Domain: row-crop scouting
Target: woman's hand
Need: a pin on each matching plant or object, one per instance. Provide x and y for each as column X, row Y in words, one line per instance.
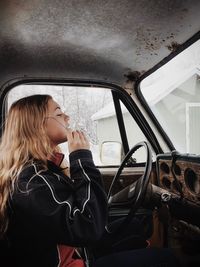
column 77, row 140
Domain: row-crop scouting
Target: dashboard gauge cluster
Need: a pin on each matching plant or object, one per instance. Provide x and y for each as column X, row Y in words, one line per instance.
column 180, row 176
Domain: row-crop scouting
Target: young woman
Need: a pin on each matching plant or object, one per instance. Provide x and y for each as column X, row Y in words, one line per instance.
column 44, row 213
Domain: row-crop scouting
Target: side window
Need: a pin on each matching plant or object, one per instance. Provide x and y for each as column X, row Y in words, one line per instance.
column 92, row 111
column 89, row 110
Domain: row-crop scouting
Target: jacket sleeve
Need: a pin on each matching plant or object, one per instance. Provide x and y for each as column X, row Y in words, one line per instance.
column 72, row 213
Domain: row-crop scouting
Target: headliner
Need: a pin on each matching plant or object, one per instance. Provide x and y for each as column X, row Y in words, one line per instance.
column 91, row 39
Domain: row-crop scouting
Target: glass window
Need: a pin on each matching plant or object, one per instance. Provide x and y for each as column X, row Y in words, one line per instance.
column 91, row 110
column 173, row 94
column 86, row 108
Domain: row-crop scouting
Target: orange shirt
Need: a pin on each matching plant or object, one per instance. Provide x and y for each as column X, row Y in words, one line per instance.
column 66, row 257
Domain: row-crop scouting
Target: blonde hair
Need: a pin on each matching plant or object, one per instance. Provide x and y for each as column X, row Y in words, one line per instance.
column 23, row 140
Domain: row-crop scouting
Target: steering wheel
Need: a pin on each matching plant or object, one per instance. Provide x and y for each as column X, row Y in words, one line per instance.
column 135, row 193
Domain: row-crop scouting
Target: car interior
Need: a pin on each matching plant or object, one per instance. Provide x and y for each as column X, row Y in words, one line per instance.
column 128, row 74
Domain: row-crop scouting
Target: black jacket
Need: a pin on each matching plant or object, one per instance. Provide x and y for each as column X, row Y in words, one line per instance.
column 48, row 209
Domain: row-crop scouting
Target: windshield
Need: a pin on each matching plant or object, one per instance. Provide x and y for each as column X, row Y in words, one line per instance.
column 173, row 94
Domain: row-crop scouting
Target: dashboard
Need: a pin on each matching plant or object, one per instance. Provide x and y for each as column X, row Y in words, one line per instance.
column 180, row 174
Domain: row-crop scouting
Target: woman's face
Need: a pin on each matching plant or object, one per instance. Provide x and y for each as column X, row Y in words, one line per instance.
column 57, row 123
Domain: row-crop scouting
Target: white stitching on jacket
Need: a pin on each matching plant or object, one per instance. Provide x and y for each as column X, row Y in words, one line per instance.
column 88, row 194
column 66, row 202
column 57, row 201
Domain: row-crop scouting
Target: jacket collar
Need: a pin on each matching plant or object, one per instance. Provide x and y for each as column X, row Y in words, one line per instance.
column 57, row 158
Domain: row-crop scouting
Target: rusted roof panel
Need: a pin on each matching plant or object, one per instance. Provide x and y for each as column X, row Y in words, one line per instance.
column 87, row 39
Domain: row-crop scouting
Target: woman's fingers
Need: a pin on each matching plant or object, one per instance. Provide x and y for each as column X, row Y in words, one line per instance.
column 75, row 136
column 85, row 139
column 82, row 136
column 77, row 140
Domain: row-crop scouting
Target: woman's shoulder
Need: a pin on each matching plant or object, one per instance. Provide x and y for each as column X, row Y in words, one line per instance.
column 33, row 167
column 31, row 171
column 38, row 172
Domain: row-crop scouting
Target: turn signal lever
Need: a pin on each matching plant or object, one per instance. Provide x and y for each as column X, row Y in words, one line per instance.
column 180, row 208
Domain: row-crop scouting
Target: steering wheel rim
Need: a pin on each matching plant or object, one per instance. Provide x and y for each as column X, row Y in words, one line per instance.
column 141, row 184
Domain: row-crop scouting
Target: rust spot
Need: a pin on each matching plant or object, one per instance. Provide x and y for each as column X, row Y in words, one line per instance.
column 173, row 46
column 133, row 75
